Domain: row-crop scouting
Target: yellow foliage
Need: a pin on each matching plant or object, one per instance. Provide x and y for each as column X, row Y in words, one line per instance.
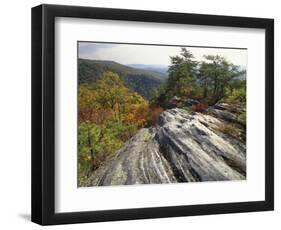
column 109, row 98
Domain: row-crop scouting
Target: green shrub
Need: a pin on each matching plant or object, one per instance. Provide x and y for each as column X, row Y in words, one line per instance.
column 243, row 118
column 98, row 142
column 237, row 95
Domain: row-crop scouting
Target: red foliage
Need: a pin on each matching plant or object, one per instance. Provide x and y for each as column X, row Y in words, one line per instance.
column 96, row 116
column 155, row 111
column 200, row 107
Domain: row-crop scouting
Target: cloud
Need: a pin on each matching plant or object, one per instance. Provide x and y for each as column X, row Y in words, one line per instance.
column 89, row 50
column 152, row 54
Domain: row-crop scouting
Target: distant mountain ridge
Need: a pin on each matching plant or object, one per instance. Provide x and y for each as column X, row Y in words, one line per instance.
column 155, row 68
column 140, row 80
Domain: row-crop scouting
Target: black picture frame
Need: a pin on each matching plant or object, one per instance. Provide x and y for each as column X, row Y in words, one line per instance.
column 43, row 114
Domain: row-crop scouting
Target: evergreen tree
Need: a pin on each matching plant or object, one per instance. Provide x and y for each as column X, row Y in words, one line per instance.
column 182, row 72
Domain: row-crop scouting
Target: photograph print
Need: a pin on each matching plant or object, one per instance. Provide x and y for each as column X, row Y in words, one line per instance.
column 158, row 114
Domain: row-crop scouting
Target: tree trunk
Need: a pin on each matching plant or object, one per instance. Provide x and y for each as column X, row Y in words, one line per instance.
column 90, row 145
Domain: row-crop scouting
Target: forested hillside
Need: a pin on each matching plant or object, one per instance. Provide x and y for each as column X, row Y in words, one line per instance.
column 139, row 80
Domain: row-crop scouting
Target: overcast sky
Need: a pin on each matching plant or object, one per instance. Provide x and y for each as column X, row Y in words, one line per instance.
column 152, row 55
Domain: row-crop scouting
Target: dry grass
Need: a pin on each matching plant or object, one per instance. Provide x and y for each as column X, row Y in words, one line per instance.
column 228, row 129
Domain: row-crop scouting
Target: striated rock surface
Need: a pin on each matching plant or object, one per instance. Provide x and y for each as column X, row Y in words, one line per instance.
column 182, row 147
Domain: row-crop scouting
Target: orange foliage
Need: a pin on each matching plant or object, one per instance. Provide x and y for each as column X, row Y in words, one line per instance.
column 137, row 114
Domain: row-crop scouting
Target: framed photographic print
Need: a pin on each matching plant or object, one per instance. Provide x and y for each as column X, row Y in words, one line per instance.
column 142, row 114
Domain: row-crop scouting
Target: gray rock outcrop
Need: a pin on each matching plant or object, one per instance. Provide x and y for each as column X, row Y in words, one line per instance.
column 190, row 102
column 182, row 147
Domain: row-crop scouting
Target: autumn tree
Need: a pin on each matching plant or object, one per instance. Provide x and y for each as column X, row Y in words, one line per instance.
column 109, row 114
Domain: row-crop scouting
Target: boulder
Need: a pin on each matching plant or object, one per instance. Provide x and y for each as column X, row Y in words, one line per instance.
column 174, row 102
column 223, row 114
column 232, row 108
column 196, row 150
column 190, row 102
column 138, row 162
column 222, row 106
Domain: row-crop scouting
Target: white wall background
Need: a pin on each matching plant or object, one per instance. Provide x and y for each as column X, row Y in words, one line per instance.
column 15, row 113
